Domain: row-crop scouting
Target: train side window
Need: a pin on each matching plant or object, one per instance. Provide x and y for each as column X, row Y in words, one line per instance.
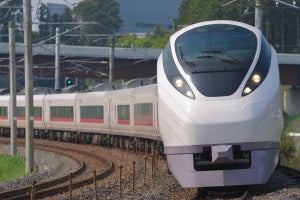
column 37, row 111
column 3, row 111
column 62, row 111
column 123, row 114
column 143, row 114
column 20, row 112
column 92, row 112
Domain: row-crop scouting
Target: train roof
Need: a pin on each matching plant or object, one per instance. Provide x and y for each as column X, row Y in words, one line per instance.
column 61, row 96
column 4, row 97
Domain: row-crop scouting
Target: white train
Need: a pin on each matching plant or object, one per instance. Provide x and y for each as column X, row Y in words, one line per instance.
column 216, row 107
column 127, row 112
column 219, row 105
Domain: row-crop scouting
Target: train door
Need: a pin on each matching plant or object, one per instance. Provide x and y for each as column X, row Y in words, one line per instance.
column 121, row 112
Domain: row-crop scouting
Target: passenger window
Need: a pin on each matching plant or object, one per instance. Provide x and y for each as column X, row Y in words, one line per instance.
column 143, row 114
column 124, row 114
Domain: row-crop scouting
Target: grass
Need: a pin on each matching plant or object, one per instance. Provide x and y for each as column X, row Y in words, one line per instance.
column 11, row 167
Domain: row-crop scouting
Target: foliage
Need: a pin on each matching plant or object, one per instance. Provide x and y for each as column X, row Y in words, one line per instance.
column 105, row 13
column 11, row 167
column 67, row 17
column 282, row 27
column 11, row 14
column 193, row 11
column 288, row 152
column 158, row 39
column 44, row 17
column 288, row 147
column 281, row 23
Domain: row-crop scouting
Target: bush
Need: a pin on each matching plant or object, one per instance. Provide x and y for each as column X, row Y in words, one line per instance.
column 288, row 152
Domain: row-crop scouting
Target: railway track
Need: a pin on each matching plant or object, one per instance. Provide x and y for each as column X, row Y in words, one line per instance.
column 161, row 180
column 80, row 177
column 294, row 174
column 251, row 192
column 234, row 192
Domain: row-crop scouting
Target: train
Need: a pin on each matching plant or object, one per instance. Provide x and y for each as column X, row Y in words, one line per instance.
column 127, row 112
column 219, row 105
column 216, row 107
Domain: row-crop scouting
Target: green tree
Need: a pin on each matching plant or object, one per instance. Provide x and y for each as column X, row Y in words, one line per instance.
column 11, row 12
column 193, row 11
column 103, row 12
column 43, row 16
column 56, row 19
column 158, row 39
column 67, row 17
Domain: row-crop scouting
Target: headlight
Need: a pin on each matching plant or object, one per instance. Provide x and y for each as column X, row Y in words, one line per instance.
column 256, row 78
column 178, row 83
column 254, row 81
column 247, row 90
column 261, row 68
column 181, row 85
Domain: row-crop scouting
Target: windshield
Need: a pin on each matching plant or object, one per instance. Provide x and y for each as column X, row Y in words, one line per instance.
column 216, row 57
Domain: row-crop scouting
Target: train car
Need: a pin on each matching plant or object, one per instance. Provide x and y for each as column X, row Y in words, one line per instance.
column 219, row 105
column 4, row 111
column 37, row 111
column 121, row 112
column 133, row 112
column 59, row 112
column 145, row 112
column 92, row 112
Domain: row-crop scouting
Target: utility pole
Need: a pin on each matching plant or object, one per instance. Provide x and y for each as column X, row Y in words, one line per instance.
column 259, row 14
column 57, row 60
column 28, row 85
column 111, row 58
column 13, row 102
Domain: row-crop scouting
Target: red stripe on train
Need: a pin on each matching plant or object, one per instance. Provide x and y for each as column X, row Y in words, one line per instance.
column 143, row 123
column 3, row 118
column 24, row 118
column 124, row 122
column 37, row 119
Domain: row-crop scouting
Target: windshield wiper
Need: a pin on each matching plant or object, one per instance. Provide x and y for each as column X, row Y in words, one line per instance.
column 230, row 60
column 225, row 69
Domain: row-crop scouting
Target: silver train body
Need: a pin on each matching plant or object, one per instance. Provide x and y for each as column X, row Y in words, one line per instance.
column 216, row 107
column 127, row 112
column 219, row 105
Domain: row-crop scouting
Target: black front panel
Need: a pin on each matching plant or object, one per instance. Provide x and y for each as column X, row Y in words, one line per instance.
column 203, row 161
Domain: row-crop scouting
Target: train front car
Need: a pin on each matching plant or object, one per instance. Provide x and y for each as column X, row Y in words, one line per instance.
column 219, row 105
